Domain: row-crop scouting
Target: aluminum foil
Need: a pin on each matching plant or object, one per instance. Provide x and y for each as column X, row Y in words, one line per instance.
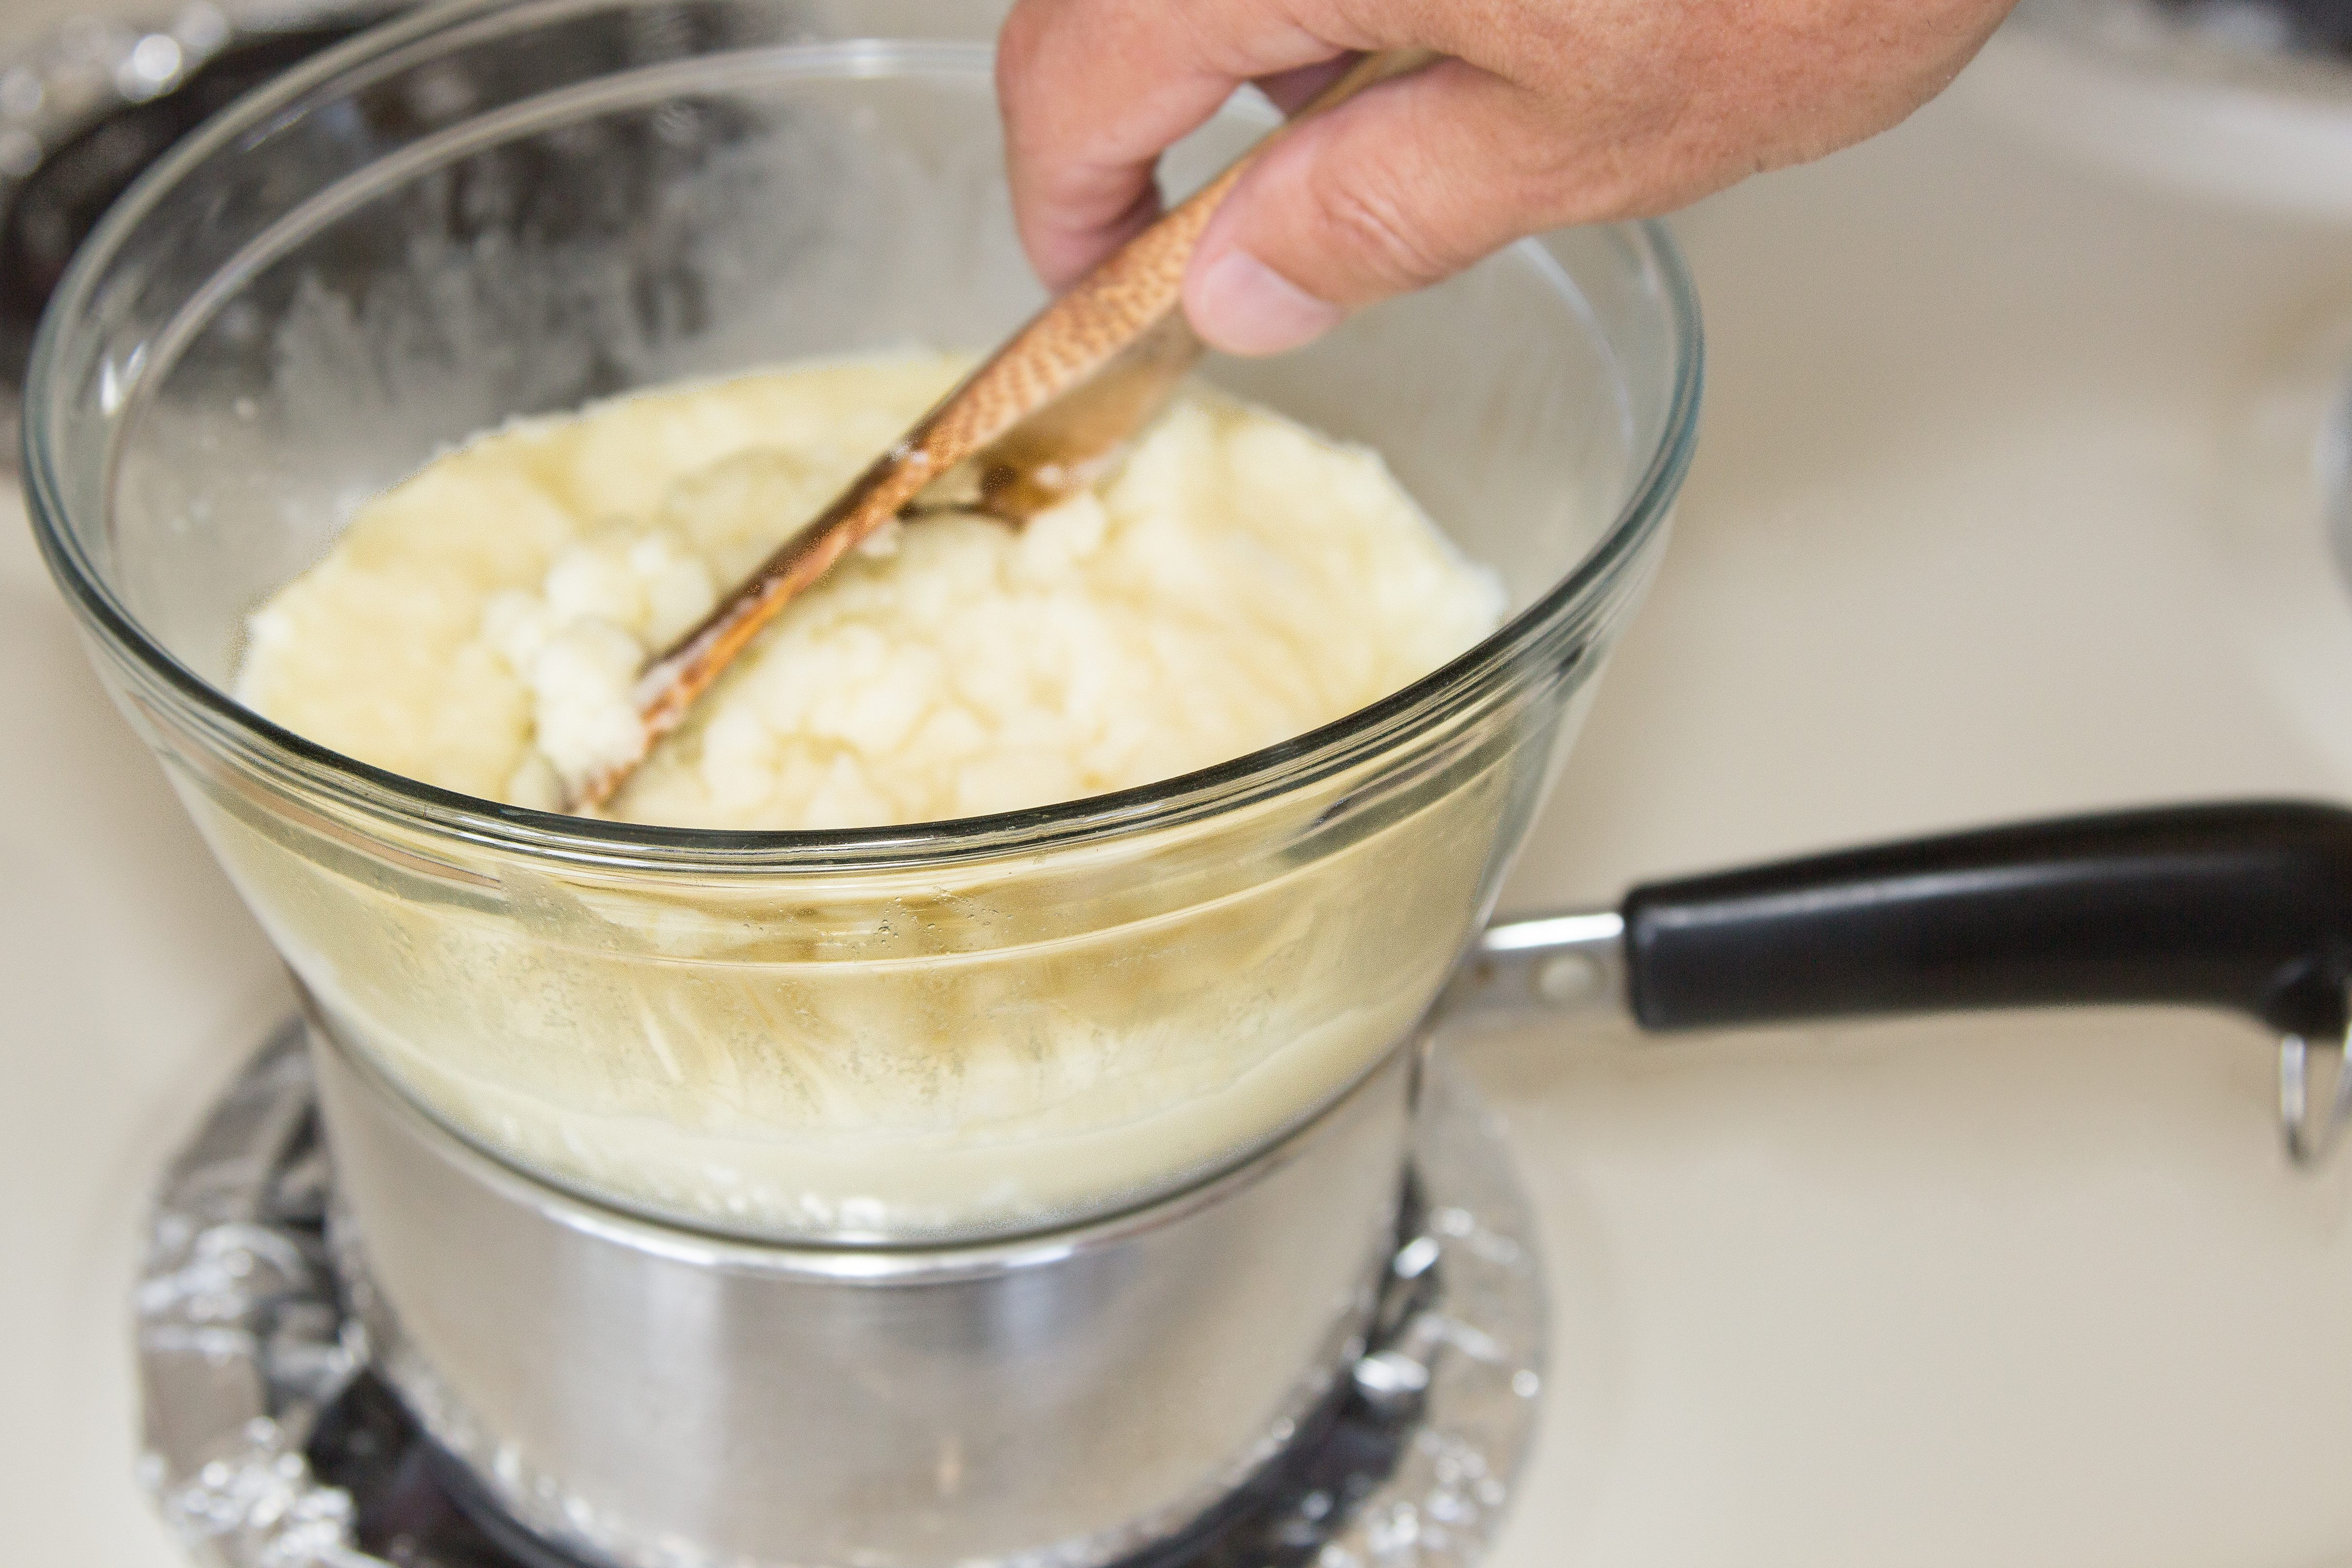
column 269, row 1445
column 240, row 1335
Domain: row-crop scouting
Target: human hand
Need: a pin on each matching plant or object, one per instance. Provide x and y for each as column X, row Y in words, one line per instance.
column 1546, row 113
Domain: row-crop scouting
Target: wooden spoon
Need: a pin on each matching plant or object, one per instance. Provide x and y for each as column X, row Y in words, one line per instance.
column 1041, row 415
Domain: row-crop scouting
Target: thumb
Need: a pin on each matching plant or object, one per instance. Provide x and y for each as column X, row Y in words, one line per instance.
column 1392, row 191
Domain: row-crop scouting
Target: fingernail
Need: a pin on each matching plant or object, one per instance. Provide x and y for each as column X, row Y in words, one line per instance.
column 1241, row 306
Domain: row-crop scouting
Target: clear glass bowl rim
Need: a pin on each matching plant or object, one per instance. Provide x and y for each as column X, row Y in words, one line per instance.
column 288, row 760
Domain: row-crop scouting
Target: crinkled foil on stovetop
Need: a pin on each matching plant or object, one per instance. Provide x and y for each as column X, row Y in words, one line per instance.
column 241, row 1342
column 269, row 1444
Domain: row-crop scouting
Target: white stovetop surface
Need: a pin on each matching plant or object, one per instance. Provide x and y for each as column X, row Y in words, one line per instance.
column 2032, row 1290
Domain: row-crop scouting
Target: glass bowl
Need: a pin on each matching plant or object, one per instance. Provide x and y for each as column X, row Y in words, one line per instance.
column 955, row 1031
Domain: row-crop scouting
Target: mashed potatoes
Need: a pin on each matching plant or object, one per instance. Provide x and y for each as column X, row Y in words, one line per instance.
column 1237, row 581
column 791, row 1044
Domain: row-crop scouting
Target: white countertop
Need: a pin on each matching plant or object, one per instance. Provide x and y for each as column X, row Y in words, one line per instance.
column 2028, row 1291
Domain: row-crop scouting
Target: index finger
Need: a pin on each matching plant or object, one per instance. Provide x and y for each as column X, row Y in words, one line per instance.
column 1092, row 91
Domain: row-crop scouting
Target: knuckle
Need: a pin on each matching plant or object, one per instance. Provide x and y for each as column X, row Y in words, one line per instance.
column 1016, row 52
column 1556, row 166
column 1383, row 233
column 1025, row 58
column 1559, row 180
column 1017, row 37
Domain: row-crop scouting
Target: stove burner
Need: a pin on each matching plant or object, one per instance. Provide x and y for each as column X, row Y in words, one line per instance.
column 271, row 1444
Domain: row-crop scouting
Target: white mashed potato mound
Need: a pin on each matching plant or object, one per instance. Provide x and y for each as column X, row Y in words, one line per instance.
column 1237, row 581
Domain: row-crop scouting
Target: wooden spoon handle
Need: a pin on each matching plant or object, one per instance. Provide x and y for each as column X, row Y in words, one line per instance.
column 1125, row 296
column 1132, row 290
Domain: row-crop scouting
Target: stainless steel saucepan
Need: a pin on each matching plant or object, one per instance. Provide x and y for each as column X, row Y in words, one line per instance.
column 1097, row 1389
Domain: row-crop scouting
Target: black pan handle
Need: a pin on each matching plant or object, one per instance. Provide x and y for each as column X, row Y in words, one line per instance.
column 2244, row 906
